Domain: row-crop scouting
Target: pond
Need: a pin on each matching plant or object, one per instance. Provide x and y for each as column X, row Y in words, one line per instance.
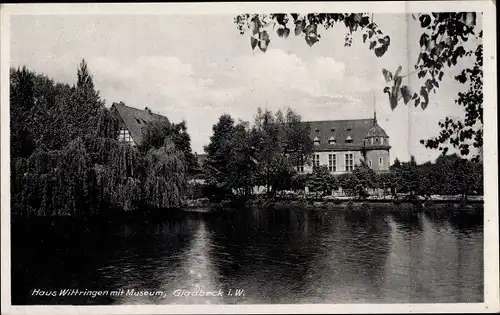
column 253, row 256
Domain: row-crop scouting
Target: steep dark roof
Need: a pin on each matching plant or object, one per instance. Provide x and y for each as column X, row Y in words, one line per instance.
column 376, row 131
column 135, row 119
column 356, row 129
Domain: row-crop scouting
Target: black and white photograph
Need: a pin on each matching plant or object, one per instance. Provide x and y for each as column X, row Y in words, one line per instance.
column 248, row 158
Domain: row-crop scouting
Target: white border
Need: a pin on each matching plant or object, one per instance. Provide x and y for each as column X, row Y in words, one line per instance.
column 491, row 253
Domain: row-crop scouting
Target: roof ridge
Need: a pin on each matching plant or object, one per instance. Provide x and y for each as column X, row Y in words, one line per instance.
column 362, row 119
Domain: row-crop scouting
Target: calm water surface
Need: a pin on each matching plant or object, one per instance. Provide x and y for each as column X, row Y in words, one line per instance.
column 287, row 256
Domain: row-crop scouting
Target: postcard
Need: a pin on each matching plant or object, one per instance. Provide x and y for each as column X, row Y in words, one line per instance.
column 330, row 157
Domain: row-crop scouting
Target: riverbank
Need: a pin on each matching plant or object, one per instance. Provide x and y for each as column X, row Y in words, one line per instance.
column 202, row 207
column 205, row 206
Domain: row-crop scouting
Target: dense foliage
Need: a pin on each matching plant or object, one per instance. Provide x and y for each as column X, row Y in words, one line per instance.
column 240, row 157
column 66, row 159
column 443, row 44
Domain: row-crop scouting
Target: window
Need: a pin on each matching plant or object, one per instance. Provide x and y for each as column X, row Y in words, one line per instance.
column 316, row 141
column 124, row 135
column 332, row 140
column 332, row 130
column 376, row 140
column 300, row 166
column 317, row 130
column 315, row 160
column 381, row 140
column 371, row 140
column 349, row 129
column 380, row 160
column 364, row 142
column 332, row 162
column 370, row 163
column 349, row 162
column 348, row 139
column 386, row 141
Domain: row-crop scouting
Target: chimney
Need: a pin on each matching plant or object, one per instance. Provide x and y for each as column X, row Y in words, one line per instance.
column 148, row 110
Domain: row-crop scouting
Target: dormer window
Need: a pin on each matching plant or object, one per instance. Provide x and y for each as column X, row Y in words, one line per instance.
column 317, row 130
column 348, row 139
column 316, row 141
column 349, row 129
column 332, row 140
column 332, row 130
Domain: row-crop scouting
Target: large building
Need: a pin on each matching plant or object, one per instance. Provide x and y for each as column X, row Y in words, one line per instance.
column 342, row 144
column 133, row 120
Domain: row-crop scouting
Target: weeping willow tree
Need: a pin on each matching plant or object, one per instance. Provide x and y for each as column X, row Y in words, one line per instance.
column 165, row 183
column 87, row 171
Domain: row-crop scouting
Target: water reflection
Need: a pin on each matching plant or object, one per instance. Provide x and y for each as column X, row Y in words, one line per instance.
column 285, row 256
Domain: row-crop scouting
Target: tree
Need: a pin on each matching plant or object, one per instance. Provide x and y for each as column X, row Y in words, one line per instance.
column 218, row 161
column 157, row 133
column 349, row 183
column 21, row 103
column 366, row 178
column 241, row 165
column 321, row 181
column 385, row 181
column 71, row 163
column 442, row 45
column 280, row 142
column 84, row 104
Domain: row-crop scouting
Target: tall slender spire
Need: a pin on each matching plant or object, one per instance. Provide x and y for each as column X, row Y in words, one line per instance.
column 374, row 109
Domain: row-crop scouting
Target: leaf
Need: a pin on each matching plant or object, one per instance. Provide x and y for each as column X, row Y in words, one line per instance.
column 256, row 25
column 253, row 42
column 425, row 20
column 364, row 37
column 263, row 41
column 393, row 100
column 311, row 29
column 299, row 28
column 417, row 102
column 311, row 40
column 387, row 75
column 286, row 32
column 398, row 71
column 424, row 40
column 387, row 90
column 280, row 32
column 440, row 77
column 405, row 91
column 372, row 44
column 380, row 51
column 415, row 95
column 425, row 95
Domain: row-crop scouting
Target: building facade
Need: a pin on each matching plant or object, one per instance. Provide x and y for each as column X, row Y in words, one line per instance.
column 133, row 120
column 340, row 145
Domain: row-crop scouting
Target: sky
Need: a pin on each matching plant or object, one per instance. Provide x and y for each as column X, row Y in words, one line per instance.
column 198, row 67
